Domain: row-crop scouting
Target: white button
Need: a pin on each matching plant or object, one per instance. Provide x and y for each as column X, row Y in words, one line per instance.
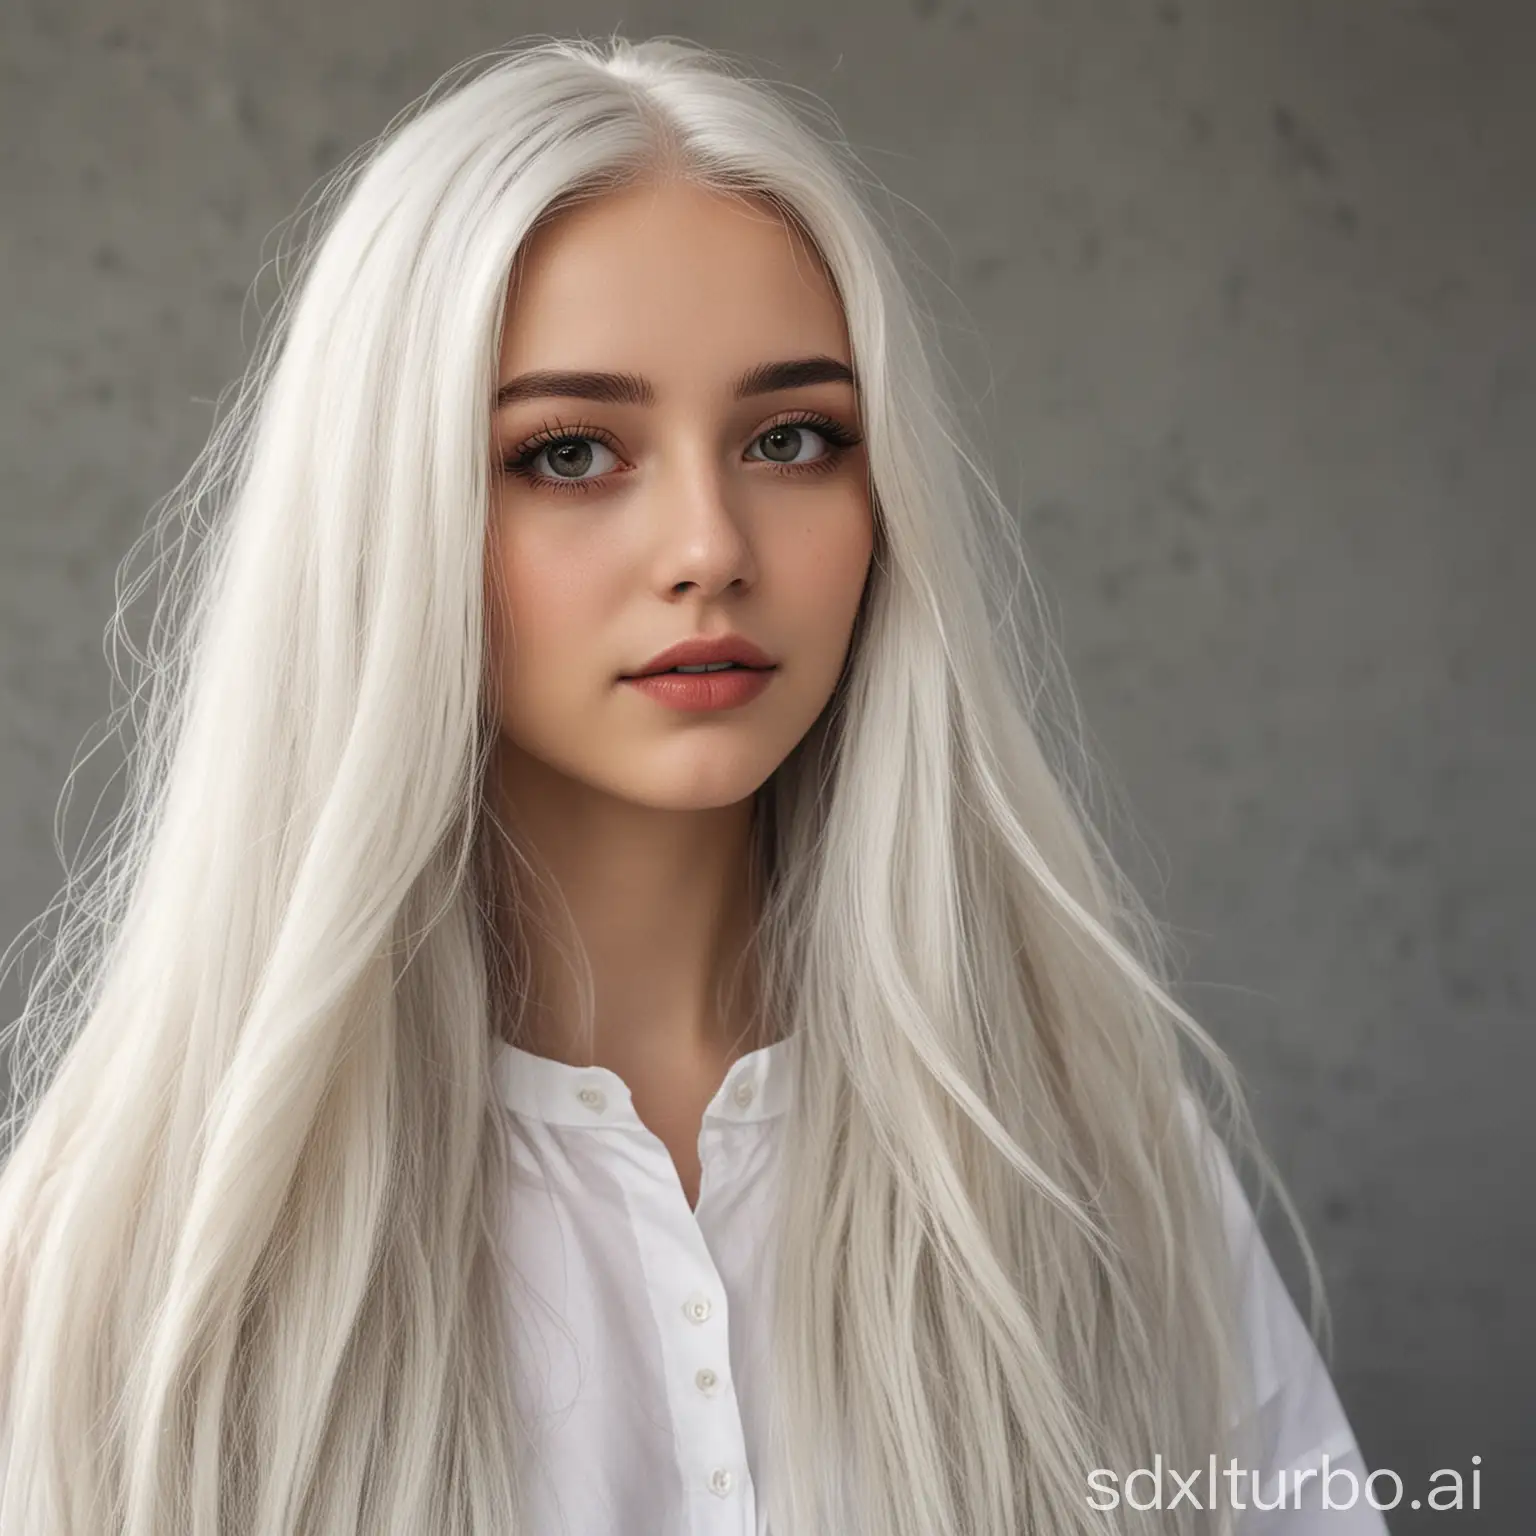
column 744, row 1091
column 706, row 1380
column 593, row 1098
column 696, row 1309
column 720, row 1480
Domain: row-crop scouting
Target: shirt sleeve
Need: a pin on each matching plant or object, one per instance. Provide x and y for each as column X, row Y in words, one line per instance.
column 1299, row 1422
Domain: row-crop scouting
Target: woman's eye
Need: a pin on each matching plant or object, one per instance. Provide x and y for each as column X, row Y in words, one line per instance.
column 788, row 438
column 569, row 458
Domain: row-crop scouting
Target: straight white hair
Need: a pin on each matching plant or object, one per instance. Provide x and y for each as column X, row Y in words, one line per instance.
column 251, row 1280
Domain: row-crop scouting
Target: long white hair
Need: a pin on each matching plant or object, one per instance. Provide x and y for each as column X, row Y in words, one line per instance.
column 249, row 1271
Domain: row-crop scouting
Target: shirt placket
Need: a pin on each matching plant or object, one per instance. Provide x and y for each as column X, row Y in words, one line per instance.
column 691, row 1311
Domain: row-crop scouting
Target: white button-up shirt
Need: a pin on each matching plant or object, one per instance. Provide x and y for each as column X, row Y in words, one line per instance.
column 641, row 1329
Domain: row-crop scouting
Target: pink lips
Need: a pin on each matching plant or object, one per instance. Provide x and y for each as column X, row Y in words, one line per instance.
column 701, row 649
column 698, row 691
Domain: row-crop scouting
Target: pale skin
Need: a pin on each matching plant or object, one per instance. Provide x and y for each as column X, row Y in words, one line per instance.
column 695, row 513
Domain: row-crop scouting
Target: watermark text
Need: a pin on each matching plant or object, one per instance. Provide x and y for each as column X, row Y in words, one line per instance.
column 1327, row 1487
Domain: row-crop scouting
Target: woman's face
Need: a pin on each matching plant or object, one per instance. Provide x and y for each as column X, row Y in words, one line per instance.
column 626, row 519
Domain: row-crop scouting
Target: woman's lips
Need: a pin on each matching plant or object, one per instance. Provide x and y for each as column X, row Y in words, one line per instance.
column 693, row 692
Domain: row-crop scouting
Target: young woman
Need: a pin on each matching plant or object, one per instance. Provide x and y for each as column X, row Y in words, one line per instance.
column 492, row 1081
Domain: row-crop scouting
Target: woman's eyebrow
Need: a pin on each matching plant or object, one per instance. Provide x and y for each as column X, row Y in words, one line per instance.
column 632, row 389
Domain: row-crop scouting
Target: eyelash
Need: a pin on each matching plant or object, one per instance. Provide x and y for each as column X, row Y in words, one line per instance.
column 838, row 437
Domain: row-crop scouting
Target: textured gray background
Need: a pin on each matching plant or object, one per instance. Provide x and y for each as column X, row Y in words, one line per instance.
column 1243, row 294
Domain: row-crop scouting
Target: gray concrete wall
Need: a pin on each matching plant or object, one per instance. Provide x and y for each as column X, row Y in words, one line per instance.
column 1249, row 290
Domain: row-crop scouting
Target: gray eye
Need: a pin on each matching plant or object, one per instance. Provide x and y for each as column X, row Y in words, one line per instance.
column 569, row 457
column 783, row 443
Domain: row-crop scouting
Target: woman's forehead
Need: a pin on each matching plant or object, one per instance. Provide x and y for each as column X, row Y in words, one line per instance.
column 646, row 266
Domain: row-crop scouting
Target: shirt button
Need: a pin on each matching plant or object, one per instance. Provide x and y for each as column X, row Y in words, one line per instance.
column 593, row 1098
column 706, row 1380
column 743, row 1093
column 720, row 1480
column 696, row 1309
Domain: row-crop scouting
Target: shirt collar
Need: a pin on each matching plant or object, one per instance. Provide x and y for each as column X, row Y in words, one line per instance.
column 757, row 1086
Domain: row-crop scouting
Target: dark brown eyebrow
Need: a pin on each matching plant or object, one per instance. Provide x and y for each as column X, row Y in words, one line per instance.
column 631, row 389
